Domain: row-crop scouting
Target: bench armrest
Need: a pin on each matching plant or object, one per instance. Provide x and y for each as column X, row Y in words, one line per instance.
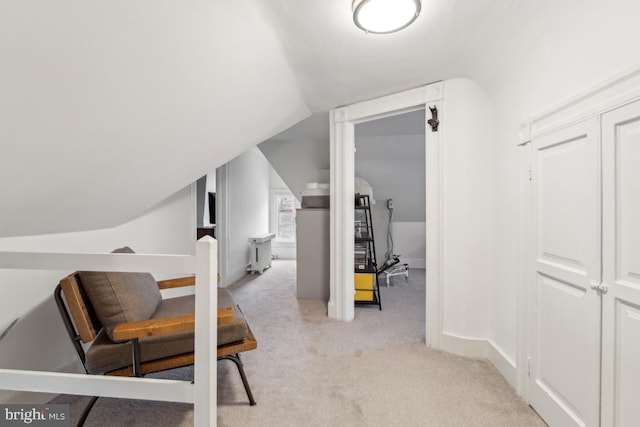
column 177, row 283
column 153, row 327
column 164, row 326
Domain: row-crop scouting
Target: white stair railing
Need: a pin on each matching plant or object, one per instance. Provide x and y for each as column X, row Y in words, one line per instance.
column 202, row 392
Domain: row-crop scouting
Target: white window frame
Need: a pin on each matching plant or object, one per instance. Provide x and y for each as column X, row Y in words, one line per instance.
column 274, row 196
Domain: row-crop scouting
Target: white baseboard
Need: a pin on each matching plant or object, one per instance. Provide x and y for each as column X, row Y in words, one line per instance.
column 414, row 262
column 503, row 363
column 234, row 276
column 332, row 310
column 477, row 348
column 474, row 348
column 283, row 250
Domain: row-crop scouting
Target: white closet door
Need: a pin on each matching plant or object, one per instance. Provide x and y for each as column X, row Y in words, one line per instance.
column 565, row 367
column 621, row 267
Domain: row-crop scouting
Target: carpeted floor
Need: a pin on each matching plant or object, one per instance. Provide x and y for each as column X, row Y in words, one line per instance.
column 309, row 370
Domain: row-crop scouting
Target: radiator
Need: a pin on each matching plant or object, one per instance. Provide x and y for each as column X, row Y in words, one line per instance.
column 260, row 252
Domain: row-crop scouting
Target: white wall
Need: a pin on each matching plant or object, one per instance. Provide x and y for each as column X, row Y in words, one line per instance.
column 123, row 103
column 248, row 208
column 467, row 212
column 409, row 242
column 297, row 161
column 561, row 50
column 275, row 181
column 300, row 154
column 394, row 166
column 38, row 340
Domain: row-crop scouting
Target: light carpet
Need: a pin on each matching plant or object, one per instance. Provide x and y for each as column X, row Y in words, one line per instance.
column 310, row 370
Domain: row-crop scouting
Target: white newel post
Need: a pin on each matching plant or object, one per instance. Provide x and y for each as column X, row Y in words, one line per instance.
column 206, row 333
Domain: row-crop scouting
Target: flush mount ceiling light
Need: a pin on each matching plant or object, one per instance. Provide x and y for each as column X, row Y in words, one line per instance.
column 385, row 16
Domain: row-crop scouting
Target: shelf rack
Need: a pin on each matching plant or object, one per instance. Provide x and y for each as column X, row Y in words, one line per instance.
column 367, row 288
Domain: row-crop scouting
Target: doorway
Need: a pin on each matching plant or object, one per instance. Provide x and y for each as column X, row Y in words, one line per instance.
column 390, row 157
column 342, row 141
column 390, row 169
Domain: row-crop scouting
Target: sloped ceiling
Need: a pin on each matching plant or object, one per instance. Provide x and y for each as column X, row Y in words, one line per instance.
column 107, row 108
column 300, row 154
column 338, row 64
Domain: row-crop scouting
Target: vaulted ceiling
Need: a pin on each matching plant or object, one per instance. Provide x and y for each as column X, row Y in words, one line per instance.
column 106, row 108
column 337, row 64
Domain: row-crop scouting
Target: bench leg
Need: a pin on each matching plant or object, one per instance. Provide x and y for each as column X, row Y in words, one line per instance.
column 235, row 358
column 85, row 412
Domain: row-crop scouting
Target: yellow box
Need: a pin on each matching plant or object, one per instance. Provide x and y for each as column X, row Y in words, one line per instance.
column 364, row 286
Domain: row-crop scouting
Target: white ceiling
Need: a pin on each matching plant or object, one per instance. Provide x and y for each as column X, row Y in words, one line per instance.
column 337, row 64
column 106, row 108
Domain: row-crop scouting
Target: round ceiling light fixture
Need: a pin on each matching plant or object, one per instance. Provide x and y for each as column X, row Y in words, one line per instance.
column 385, row 16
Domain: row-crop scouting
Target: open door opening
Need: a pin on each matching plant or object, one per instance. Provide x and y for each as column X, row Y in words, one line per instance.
column 390, row 171
column 343, row 123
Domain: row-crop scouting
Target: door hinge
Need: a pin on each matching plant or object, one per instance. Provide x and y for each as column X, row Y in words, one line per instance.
column 600, row 287
column 528, row 366
column 530, row 175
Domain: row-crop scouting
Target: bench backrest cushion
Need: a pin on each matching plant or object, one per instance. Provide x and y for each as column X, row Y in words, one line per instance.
column 121, row 297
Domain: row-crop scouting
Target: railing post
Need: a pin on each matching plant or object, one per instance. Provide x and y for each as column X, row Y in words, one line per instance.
column 206, row 333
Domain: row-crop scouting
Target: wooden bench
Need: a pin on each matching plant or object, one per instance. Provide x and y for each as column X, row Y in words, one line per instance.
column 168, row 338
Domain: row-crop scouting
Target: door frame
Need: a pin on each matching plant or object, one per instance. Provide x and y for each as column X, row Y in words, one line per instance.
column 525, row 271
column 342, row 123
column 222, row 223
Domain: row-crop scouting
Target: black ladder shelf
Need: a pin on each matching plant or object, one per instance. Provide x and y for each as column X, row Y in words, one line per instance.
column 367, row 288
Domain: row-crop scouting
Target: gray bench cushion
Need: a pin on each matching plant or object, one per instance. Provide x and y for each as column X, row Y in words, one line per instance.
column 104, row 355
column 121, row 297
column 236, row 330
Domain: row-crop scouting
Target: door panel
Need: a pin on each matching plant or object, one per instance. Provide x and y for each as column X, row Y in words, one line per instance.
column 621, row 266
column 562, row 180
column 559, row 374
column 564, row 380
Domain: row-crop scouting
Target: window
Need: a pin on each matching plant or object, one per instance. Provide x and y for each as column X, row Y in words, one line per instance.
column 283, row 215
